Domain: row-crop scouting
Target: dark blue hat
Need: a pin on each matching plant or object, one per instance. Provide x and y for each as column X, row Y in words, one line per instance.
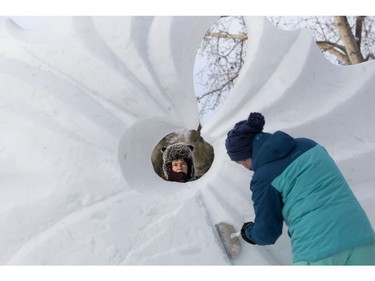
column 239, row 142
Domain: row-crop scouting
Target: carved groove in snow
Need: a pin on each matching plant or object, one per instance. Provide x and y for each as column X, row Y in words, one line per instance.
column 84, row 102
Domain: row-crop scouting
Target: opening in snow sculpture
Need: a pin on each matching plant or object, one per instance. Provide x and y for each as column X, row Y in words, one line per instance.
column 184, row 145
column 85, row 100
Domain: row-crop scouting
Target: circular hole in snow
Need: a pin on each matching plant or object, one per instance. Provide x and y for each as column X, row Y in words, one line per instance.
column 188, row 146
column 137, row 146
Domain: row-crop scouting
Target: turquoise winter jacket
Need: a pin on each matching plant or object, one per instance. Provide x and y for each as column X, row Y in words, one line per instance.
column 296, row 181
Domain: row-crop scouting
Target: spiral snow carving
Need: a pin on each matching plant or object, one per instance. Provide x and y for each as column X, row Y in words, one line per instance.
column 85, row 100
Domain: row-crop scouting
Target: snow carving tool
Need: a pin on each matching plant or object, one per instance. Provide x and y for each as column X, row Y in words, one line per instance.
column 230, row 239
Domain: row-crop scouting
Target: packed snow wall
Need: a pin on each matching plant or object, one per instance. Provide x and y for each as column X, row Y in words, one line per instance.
column 84, row 102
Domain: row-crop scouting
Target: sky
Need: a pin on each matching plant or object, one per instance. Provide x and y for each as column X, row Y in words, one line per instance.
column 85, row 101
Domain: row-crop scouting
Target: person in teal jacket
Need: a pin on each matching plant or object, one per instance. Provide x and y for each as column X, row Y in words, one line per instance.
column 296, row 181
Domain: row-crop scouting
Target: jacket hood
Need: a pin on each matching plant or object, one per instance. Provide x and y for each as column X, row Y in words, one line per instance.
column 271, row 147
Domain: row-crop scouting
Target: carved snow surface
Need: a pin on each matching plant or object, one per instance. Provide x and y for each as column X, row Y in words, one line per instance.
column 85, row 100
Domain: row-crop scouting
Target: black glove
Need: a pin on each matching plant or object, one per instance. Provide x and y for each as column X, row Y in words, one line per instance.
column 243, row 234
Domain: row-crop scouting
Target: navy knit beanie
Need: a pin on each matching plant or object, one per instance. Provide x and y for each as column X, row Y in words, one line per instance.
column 239, row 142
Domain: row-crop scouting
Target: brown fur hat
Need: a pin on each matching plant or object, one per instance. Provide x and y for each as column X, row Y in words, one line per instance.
column 178, row 151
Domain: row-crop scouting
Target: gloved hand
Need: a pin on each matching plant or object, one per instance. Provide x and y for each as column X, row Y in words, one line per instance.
column 243, row 233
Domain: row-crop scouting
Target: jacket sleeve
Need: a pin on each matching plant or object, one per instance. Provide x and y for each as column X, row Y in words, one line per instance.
column 268, row 222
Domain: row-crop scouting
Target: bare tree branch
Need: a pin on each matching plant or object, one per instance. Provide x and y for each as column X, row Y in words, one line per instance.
column 224, row 49
column 221, row 88
column 348, row 39
column 240, row 37
column 358, row 30
column 369, row 57
column 344, row 40
column 334, row 49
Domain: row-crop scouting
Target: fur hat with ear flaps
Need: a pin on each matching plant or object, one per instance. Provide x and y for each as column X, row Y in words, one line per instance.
column 174, row 152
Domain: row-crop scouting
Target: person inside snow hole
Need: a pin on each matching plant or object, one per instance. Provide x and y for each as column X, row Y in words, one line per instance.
column 178, row 162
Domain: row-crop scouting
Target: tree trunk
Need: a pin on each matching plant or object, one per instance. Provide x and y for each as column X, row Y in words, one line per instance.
column 352, row 50
column 358, row 30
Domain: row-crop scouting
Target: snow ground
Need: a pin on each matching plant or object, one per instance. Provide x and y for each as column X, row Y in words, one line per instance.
column 85, row 100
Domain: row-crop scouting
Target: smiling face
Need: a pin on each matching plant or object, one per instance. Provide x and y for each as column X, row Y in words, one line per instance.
column 179, row 166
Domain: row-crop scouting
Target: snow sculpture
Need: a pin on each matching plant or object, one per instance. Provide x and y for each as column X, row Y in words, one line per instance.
column 85, row 100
